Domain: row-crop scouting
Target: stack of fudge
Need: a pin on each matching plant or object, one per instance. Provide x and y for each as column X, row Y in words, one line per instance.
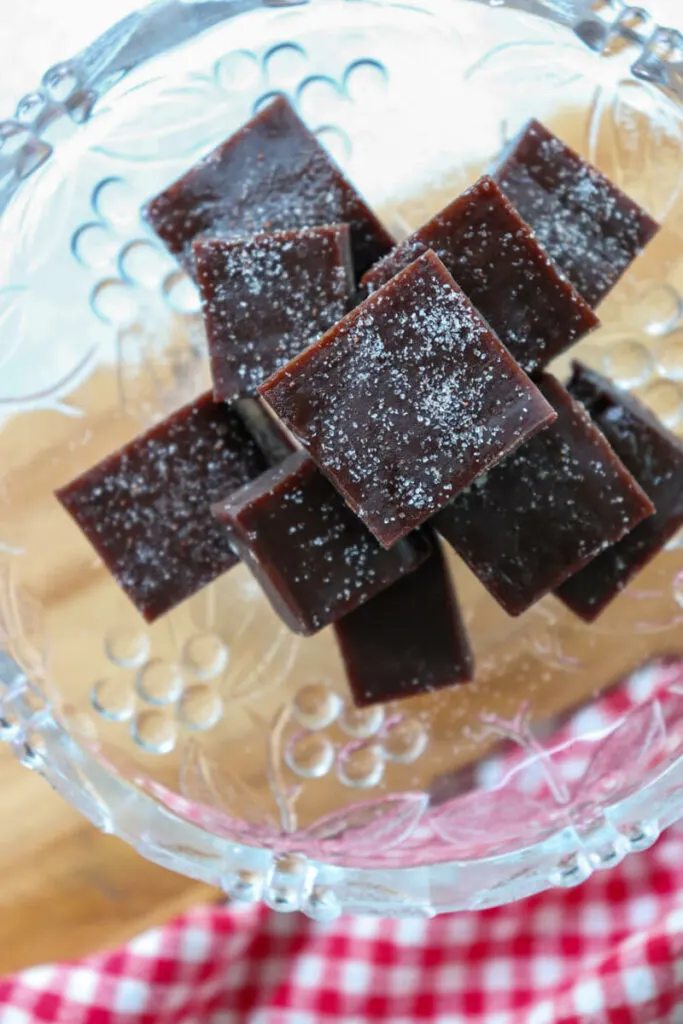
column 370, row 397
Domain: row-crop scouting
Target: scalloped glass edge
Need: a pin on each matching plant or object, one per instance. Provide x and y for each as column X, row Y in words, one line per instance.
column 247, row 874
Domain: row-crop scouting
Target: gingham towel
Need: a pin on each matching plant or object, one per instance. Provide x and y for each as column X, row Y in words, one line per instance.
column 609, row 951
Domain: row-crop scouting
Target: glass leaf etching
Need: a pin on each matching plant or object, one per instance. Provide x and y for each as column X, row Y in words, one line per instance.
column 488, row 819
column 625, row 754
column 367, row 828
column 189, row 116
column 52, row 396
column 228, row 803
column 636, row 138
column 22, row 625
column 12, row 301
column 7, row 545
column 247, row 680
column 284, row 793
column 528, row 66
column 528, row 753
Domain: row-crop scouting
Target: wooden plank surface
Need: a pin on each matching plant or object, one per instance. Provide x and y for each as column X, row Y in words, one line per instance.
column 67, row 889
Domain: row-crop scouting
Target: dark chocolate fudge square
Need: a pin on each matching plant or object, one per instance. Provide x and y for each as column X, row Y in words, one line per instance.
column 495, row 258
column 410, row 639
column 146, row 509
column 407, row 400
column 271, row 175
column 313, row 558
column 655, row 458
column 266, row 298
column 584, row 222
column 546, row 510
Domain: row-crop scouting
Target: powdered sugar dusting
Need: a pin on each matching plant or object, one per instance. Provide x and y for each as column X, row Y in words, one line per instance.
column 314, row 559
column 498, row 263
column 563, row 497
column 146, row 509
column 271, row 175
column 267, row 298
column 591, row 229
column 407, row 400
column 655, row 457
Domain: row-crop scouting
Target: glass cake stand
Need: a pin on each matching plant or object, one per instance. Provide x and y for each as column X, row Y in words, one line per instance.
column 215, row 742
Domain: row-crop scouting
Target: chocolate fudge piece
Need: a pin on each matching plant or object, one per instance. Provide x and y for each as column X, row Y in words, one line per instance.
column 313, row 558
column 271, row 175
column 266, row 298
column 495, row 258
column 655, row 458
column 410, row 639
column 407, row 400
column 146, row 509
column 545, row 511
column 584, row 222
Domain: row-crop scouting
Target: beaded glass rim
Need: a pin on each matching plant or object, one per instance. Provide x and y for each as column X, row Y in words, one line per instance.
column 70, row 90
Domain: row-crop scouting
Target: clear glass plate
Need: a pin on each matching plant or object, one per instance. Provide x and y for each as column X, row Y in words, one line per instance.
column 216, row 742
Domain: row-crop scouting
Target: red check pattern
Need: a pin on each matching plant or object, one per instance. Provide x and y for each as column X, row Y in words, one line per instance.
column 608, row 952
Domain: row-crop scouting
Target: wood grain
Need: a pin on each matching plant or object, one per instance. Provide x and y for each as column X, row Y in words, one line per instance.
column 69, row 890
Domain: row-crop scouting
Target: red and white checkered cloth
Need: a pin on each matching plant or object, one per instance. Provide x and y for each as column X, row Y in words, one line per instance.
column 608, row 952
